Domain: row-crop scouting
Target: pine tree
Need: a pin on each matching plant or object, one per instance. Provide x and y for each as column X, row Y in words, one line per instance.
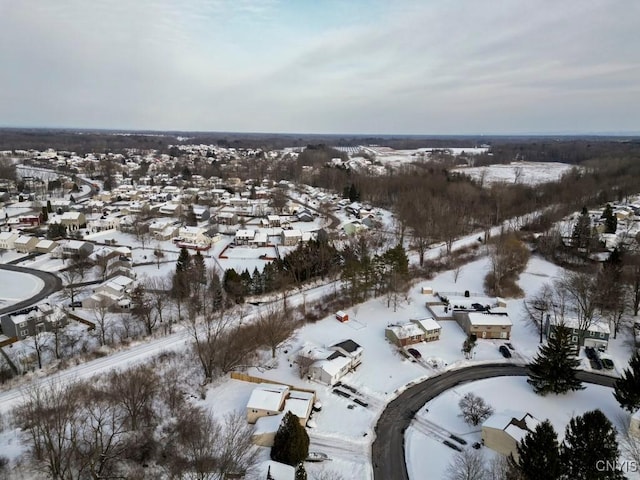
column 554, row 368
column 49, row 208
column 301, row 473
column 198, row 269
column 291, row 442
column 184, row 260
column 610, row 220
column 581, row 235
column 589, row 444
column 539, row 454
column 215, row 290
column 627, row 387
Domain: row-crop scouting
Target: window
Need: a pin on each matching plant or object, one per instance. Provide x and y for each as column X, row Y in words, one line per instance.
column 24, row 332
column 574, row 339
column 601, row 334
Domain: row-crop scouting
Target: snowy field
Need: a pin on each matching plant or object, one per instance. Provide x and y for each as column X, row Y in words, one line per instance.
column 17, row 286
column 530, row 173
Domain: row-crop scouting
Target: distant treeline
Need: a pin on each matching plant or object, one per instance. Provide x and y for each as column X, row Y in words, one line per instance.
column 557, row 149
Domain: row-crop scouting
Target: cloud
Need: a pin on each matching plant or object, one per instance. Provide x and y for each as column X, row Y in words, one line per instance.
column 360, row 66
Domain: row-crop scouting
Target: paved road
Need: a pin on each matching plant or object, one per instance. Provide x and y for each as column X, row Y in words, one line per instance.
column 387, row 450
column 52, row 284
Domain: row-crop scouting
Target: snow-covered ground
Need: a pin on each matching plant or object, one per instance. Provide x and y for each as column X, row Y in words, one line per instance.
column 17, row 286
column 425, row 453
column 530, row 173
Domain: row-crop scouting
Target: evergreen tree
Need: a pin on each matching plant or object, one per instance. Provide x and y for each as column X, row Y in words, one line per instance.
column 232, row 284
column 198, row 269
column 627, row 387
column 190, row 218
column 291, row 442
column 554, row 368
column 184, row 261
column 354, row 194
column 49, row 208
column 581, row 235
column 256, row 282
column 590, row 444
column 215, row 290
column 610, row 220
column 539, row 454
column 45, row 215
column 301, row 473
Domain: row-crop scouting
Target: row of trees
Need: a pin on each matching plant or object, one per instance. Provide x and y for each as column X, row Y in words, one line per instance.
column 588, row 451
column 112, row 427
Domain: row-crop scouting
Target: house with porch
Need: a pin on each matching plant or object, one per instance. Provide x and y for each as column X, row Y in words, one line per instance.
column 583, row 334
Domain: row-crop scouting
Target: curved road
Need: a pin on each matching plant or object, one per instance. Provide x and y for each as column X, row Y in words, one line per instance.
column 52, row 284
column 387, row 449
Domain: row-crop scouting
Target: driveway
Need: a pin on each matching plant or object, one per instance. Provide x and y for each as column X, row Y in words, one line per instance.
column 387, row 449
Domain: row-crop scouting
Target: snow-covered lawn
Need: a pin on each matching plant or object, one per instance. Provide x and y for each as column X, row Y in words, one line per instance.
column 530, row 173
column 506, row 395
column 17, row 286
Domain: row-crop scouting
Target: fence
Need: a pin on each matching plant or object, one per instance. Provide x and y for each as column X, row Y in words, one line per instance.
column 250, row 378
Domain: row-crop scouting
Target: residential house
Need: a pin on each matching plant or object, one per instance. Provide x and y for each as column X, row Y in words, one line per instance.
column 46, row 246
column 170, row 209
column 260, row 239
column 329, row 365
column 404, row 334
column 290, row 237
column 596, row 334
column 243, row 237
column 25, row 244
column 7, row 240
column 491, row 323
column 76, row 247
column 112, row 292
column 164, row 228
column 501, row 432
column 274, row 220
column 227, row 218
column 430, row 327
column 32, row 320
column 266, row 400
column 201, row 213
column 304, row 216
column 194, row 235
column 73, row 220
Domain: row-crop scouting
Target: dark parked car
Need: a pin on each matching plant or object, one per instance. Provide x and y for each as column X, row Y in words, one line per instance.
column 591, row 353
column 504, row 351
column 414, row 352
column 596, row 364
column 607, row 363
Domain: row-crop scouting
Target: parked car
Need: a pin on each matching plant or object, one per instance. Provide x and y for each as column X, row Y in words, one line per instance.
column 596, row 363
column 591, row 353
column 607, row 363
column 317, row 457
column 75, row 304
column 415, row 353
column 504, row 351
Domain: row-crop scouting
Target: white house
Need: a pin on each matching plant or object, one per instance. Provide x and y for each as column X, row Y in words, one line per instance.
column 290, row 237
column 243, row 237
column 7, row 240
column 328, row 365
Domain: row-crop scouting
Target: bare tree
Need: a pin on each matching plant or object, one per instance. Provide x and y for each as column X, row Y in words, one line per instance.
column 467, row 465
column 100, row 313
column 274, row 327
column 236, row 452
column 71, row 278
column 474, row 409
column 49, row 414
column 134, row 390
column 581, row 289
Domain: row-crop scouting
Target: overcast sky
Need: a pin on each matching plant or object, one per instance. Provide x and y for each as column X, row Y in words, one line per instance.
column 322, row 66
